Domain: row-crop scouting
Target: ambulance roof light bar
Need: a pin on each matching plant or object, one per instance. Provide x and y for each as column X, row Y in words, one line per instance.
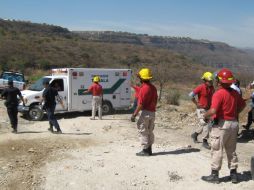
column 58, row 72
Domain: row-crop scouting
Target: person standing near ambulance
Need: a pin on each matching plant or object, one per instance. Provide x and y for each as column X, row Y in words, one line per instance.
column 10, row 94
column 97, row 93
column 147, row 100
column 49, row 96
column 204, row 92
column 225, row 108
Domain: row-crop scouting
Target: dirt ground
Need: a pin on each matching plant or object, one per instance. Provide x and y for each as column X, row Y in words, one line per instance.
column 100, row 154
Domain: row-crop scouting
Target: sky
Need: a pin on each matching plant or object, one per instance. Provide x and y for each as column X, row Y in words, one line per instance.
column 229, row 21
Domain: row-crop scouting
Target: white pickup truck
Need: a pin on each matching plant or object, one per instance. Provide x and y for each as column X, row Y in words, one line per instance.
column 17, row 78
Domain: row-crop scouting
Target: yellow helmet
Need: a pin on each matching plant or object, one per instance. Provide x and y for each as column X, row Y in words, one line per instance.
column 96, row 79
column 145, row 74
column 208, row 76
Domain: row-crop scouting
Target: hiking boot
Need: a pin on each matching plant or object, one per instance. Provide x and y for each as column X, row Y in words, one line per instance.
column 144, row 152
column 149, row 150
column 15, row 131
column 206, row 145
column 233, row 176
column 213, row 178
column 246, row 127
column 59, row 132
column 194, row 136
column 51, row 129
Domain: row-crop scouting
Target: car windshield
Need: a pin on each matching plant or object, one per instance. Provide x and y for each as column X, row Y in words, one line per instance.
column 38, row 85
column 13, row 76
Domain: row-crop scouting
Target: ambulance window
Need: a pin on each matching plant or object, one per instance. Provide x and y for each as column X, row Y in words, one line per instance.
column 58, row 84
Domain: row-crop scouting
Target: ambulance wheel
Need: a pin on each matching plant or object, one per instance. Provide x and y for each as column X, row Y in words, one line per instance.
column 35, row 113
column 107, row 108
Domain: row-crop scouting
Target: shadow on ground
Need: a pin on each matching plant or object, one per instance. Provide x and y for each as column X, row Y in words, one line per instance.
column 21, row 132
column 76, row 133
column 178, row 151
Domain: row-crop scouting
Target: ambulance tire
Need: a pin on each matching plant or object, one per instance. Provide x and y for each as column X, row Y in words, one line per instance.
column 35, row 113
column 107, row 108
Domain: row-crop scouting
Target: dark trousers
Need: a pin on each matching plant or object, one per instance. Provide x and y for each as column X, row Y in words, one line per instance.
column 250, row 118
column 13, row 115
column 51, row 117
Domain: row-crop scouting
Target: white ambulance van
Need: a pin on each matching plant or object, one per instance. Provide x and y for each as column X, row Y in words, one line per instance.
column 72, row 82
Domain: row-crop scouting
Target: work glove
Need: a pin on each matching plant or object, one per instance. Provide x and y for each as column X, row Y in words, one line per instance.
column 133, row 118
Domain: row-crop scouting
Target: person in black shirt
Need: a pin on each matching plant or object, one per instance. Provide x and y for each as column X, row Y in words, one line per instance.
column 49, row 98
column 10, row 94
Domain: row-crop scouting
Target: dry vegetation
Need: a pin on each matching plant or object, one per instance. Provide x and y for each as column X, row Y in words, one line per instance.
column 36, row 48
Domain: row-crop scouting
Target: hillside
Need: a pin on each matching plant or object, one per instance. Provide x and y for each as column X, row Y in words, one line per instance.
column 27, row 47
column 214, row 54
column 30, row 47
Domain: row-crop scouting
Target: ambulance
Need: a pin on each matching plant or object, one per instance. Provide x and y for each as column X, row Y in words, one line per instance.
column 71, row 83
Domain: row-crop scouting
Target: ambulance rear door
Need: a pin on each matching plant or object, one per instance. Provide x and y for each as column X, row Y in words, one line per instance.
column 79, row 82
column 125, row 95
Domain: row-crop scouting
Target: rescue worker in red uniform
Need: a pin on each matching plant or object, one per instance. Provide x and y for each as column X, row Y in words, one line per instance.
column 204, row 92
column 147, row 100
column 226, row 105
column 97, row 93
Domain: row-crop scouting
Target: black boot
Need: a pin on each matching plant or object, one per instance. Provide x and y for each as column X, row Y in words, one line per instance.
column 246, row 127
column 233, row 176
column 14, row 129
column 213, row 178
column 59, row 131
column 206, row 145
column 144, row 152
column 194, row 136
column 51, row 128
column 149, row 149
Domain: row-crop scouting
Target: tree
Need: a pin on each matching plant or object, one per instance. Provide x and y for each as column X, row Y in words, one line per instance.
column 161, row 73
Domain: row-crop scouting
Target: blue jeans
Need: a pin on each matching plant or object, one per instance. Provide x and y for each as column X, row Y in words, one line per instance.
column 51, row 117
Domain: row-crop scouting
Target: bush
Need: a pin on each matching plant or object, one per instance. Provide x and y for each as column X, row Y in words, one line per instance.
column 173, row 97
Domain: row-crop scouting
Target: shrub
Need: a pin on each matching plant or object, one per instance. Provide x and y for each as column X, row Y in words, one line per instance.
column 173, row 97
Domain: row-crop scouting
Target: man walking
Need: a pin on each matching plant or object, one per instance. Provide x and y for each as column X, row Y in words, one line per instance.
column 10, row 94
column 226, row 105
column 97, row 93
column 49, row 98
column 204, row 92
column 147, row 100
